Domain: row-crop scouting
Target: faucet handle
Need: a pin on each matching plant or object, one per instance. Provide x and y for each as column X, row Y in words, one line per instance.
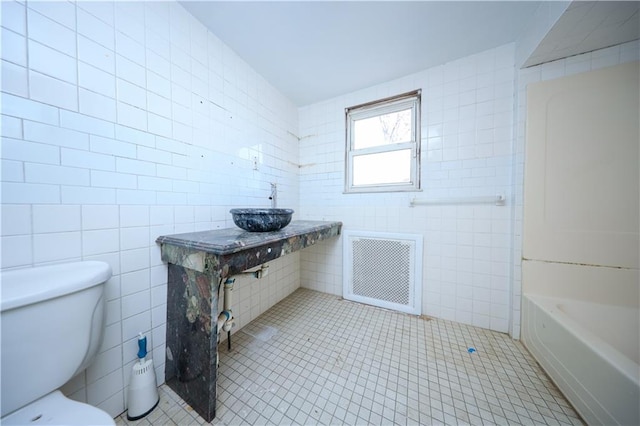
column 274, row 195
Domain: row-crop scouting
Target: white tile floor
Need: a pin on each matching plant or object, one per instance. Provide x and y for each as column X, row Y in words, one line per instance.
column 317, row 359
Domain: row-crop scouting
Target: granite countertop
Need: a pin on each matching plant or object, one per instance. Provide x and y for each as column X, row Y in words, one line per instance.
column 233, row 240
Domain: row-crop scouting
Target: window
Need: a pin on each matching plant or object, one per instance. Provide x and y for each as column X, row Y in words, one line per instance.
column 383, row 145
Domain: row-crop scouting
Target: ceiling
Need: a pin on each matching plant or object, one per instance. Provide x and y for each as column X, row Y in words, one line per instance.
column 587, row 26
column 316, row 50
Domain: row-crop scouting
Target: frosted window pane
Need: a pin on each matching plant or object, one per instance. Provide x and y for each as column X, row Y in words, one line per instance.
column 383, row 129
column 385, row 167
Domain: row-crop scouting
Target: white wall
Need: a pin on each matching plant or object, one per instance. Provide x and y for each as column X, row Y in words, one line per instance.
column 122, row 122
column 467, row 116
column 462, row 244
column 584, row 209
column 598, row 59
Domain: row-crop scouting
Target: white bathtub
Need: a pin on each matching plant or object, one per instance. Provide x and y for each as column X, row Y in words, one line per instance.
column 592, row 353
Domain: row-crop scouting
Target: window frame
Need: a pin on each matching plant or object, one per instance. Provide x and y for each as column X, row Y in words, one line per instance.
column 410, row 100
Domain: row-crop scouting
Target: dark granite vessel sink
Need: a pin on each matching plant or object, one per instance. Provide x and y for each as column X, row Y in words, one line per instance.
column 261, row 220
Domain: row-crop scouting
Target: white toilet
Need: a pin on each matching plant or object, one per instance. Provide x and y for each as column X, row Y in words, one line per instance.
column 52, row 320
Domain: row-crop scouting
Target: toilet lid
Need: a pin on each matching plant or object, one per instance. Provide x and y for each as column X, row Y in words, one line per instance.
column 56, row 409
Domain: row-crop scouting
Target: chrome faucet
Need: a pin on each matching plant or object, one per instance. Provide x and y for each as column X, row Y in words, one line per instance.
column 274, row 195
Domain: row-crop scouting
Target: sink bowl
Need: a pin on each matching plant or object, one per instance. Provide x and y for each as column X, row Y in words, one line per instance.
column 261, row 220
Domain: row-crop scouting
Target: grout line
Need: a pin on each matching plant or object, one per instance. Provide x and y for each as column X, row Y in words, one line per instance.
column 376, row 366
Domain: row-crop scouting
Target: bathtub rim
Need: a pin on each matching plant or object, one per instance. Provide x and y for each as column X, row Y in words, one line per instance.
column 617, row 359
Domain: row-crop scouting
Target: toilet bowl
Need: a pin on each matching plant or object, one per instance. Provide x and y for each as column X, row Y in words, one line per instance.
column 52, row 320
column 56, row 409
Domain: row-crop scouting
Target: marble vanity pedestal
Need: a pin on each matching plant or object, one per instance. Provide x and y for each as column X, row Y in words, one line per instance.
column 198, row 263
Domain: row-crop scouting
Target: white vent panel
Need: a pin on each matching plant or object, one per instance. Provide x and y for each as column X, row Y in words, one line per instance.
column 383, row 269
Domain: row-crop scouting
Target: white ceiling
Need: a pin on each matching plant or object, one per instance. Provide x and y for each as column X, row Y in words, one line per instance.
column 316, row 50
column 586, row 26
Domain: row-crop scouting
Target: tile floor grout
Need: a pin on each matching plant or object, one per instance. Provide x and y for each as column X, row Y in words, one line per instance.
column 315, row 358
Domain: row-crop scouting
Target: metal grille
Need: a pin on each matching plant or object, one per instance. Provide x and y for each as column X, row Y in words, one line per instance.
column 382, row 270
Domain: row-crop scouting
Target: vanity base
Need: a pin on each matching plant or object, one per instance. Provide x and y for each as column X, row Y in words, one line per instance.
column 198, row 261
column 192, row 339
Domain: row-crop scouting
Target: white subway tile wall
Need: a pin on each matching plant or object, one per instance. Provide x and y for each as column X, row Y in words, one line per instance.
column 473, row 254
column 122, row 122
column 467, row 114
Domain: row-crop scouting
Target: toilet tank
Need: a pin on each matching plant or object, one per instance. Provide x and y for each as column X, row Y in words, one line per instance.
column 52, row 322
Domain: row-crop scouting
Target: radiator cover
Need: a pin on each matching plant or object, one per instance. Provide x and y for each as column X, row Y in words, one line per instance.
column 383, row 269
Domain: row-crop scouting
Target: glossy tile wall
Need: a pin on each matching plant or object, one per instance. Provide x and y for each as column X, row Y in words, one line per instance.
column 472, row 261
column 121, row 122
column 467, row 121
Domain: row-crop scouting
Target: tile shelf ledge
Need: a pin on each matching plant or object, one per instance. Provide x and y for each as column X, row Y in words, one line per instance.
column 197, row 264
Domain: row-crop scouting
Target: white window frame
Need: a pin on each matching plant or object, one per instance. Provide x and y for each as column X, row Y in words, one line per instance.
column 380, row 107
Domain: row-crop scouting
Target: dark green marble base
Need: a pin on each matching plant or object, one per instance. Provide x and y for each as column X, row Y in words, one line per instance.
column 191, row 361
column 197, row 262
